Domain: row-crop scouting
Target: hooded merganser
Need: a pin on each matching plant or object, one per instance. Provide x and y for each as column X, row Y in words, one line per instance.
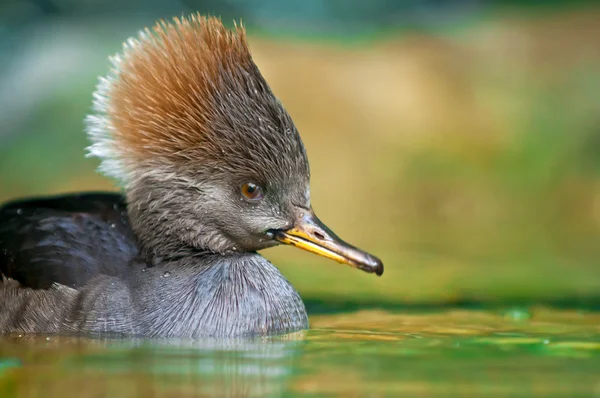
column 213, row 169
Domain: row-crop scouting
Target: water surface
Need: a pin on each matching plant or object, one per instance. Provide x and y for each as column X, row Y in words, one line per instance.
column 449, row 352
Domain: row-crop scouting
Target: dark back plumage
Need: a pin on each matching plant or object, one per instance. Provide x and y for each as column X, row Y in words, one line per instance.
column 65, row 239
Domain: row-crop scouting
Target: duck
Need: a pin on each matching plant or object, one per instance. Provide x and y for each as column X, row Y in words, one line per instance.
column 211, row 170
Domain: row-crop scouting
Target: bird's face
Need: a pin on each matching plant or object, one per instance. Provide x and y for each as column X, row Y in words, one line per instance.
column 263, row 214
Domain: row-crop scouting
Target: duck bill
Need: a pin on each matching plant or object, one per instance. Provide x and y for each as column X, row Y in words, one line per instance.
column 310, row 234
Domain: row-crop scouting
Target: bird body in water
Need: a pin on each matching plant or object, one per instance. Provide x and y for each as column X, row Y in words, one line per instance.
column 212, row 169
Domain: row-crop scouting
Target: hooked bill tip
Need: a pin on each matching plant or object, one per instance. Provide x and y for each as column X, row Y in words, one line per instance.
column 373, row 265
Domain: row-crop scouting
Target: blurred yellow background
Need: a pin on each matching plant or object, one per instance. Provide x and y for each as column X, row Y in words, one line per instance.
column 465, row 152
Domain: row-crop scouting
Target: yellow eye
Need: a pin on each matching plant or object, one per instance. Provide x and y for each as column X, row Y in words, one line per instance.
column 252, row 191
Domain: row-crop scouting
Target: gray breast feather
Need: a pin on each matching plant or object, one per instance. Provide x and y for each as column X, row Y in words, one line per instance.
column 237, row 295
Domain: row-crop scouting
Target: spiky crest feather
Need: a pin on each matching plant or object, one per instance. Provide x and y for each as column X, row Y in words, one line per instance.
column 158, row 98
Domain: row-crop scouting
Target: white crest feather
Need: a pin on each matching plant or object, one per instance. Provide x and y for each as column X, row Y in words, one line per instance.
column 99, row 127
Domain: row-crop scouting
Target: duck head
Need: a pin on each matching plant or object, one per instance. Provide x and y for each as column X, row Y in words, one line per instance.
column 207, row 155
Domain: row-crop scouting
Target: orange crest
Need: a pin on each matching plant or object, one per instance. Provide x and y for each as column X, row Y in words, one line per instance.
column 160, row 94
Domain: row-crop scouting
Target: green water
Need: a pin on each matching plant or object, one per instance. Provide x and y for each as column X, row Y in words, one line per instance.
column 509, row 352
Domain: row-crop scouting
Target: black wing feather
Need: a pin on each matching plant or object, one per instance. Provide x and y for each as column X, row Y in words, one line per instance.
column 65, row 239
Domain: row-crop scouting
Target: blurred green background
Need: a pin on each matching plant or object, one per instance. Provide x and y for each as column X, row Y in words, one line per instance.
column 459, row 140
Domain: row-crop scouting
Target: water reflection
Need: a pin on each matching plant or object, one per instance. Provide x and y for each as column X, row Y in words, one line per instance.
column 141, row 367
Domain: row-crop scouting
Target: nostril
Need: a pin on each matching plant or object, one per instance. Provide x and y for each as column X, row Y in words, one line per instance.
column 319, row 235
